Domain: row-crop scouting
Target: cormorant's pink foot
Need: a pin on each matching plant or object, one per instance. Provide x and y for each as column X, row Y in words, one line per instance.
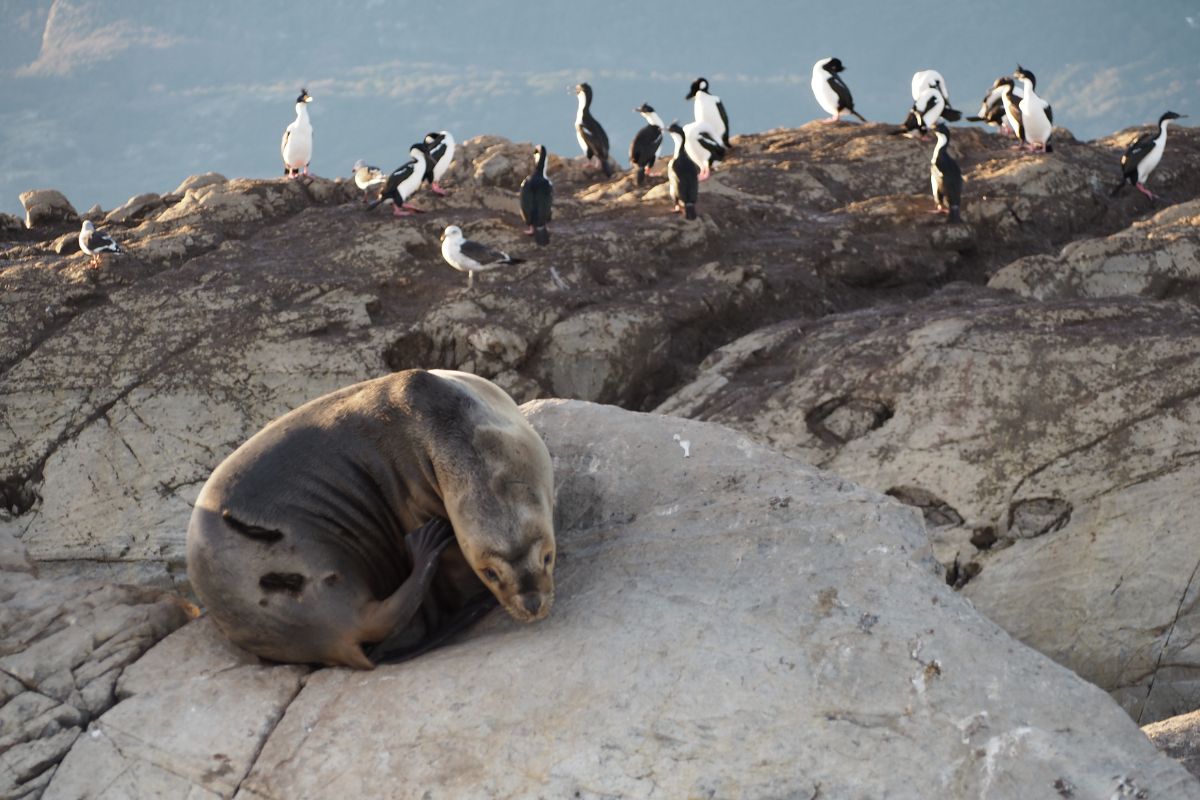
column 529, row 230
column 438, row 190
column 397, row 211
column 1146, row 191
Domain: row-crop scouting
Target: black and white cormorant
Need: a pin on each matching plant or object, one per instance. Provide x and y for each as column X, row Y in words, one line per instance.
column 1141, row 157
column 683, row 175
column 403, row 183
column 643, row 150
column 439, row 153
column 709, row 110
column 945, row 175
column 831, row 91
column 537, row 198
column 1037, row 120
column 592, row 138
column 296, row 147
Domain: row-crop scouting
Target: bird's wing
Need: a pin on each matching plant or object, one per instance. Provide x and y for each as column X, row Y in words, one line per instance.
column 1049, row 112
column 593, row 131
column 724, row 117
column 845, row 100
column 437, row 151
column 398, row 176
column 100, row 241
column 1138, row 150
column 481, row 252
column 527, row 201
column 710, row 143
column 287, row 132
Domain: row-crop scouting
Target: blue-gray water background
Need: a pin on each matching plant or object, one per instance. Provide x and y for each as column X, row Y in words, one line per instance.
column 104, row 99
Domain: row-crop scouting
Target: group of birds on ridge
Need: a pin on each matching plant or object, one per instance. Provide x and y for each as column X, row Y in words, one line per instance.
column 699, row 145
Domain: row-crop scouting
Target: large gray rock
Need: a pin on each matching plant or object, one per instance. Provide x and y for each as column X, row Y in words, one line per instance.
column 1052, row 448
column 728, row 623
column 47, row 206
column 1158, row 257
column 63, row 645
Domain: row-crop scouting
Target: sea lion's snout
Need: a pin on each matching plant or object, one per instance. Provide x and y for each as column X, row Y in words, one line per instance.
column 531, row 606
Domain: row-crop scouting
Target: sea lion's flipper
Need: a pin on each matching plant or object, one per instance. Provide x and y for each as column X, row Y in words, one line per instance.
column 391, row 618
column 465, row 617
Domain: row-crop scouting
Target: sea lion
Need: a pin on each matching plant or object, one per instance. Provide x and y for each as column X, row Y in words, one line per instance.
column 325, row 531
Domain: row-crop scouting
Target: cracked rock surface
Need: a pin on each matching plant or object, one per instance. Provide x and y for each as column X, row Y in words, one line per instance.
column 729, row 622
column 63, row 646
column 1053, row 447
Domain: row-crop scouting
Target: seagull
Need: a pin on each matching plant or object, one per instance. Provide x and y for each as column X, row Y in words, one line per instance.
column 94, row 242
column 366, row 176
column 296, row 147
column 471, row 257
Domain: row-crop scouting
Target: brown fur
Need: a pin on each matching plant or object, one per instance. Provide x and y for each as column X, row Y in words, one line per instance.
column 296, row 544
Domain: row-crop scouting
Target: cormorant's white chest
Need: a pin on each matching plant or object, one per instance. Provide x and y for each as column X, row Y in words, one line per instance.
column 826, row 96
column 1147, row 164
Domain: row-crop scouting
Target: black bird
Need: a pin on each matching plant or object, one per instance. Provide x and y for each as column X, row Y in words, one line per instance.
column 683, row 175
column 643, row 150
column 1141, row 157
column 592, row 138
column 945, row 175
column 537, row 198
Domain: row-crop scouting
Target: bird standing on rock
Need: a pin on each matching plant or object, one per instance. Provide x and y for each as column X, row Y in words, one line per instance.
column 471, row 257
column 366, row 176
column 831, row 91
column 95, row 242
column 439, row 154
column 592, row 138
column 537, row 198
column 945, row 175
column 643, row 150
column 1036, row 117
column 297, row 144
column 403, row 184
column 991, row 108
column 683, row 175
column 1141, row 157
column 709, row 111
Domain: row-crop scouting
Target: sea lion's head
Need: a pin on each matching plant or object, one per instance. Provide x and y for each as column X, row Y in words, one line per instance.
column 503, row 518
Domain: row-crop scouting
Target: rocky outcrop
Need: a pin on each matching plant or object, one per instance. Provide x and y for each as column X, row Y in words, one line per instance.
column 63, row 645
column 46, row 206
column 123, row 386
column 1179, row 737
column 1052, row 447
column 710, row 593
column 1158, row 257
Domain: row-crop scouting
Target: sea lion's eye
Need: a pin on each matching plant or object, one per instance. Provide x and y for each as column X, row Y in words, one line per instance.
column 491, row 575
column 549, row 558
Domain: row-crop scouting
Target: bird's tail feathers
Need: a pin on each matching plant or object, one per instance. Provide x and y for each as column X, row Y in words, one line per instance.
column 606, row 165
column 689, row 210
column 1117, row 189
column 541, row 235
column 855, row 113
column 975, row 119
column 954, row 215
column 641, row 175
column 513, row 260
column 951, row 114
